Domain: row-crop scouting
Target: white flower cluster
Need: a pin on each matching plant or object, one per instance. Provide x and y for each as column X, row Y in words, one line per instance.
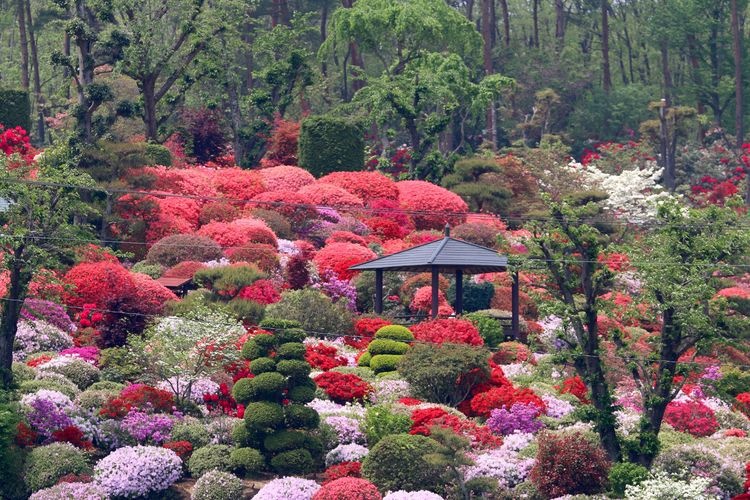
column 634, row 195
column 663, row 487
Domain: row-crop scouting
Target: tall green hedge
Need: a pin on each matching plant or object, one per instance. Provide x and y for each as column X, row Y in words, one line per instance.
column 329, row 144
column 15, row 109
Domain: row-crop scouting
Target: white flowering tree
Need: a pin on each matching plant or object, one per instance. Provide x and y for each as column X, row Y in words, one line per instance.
column 178, row 350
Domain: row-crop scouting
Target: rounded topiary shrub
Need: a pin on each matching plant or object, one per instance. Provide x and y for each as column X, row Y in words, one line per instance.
column 262, row 365
column 217, row 485
column 192, row 431
column 297, row 461
column 394, row 332
column 46, row 464
column 172, row 250
column 138, row 471
column 387, row 346
column 246, row 461
column 264, row 415
column 348, row 488
column 385, row 362
column 291, row 350
column 213, row 456
column 622, row 475
column 330, row 144
column 385, row 465
column 78, row 371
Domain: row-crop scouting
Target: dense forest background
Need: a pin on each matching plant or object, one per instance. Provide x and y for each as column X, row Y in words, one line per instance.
column 427, row 79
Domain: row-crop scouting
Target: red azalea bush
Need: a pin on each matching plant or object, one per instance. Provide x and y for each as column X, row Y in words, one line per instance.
column 346, row 237
column 93, row 253
column 285, row 178
column 424, row 196
column 343, row 387
column 338, row 257
column 16, row 140
column 295, row 207
column 185, row 269
column 222, row 401
column 391, row 210
column 512, row 352
column 423, row 420
column 282, row 145
column 502, row 301
column 150, row 295
column 140, row 396
column 692, row 417
column 569, row 464
column 238, row 184
column 364, row 185
column 194, row 181
column 329, row 195
column 239, row 232
column 99, row 283
column 742, row 403
column 183, row 449
column 264, row 256
column 261, row 291
column 504, row 396
column 422, row 302
column 342, row 469
column 73, row 435
column 323, row 357
column 25, row 435
column 576, row 387
column 385, row 229
column 366, row 327
column 348, row 488
column 455, row 331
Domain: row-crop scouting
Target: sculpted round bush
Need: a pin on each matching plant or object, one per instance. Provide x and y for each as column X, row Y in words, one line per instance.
column 424, row 196
column 217, row 485
column 385, row 464
column 213, row 456
column 45, row 465
column 329, row 195
column 285, row 178
column 172, row 250
column 366, row 185
column 135, row 471
column 338, row 257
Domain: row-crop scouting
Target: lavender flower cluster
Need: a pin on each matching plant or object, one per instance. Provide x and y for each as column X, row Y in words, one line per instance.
column 501, row 464
column 556, row 407
column 337, row 289
column 351, row 452
column 288, row 487
column 147, row 427
column 37, row 336
column 45, row 417
column 521, row 417
column 50, row 312
column 347, row 429
column 138, row 471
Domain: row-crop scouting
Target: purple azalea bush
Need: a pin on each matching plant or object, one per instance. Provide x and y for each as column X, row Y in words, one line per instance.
column 288, row 487
column 502, row 464
column 347, row 429
column 37, row 336
column 521, row 417
column 147, row 427
column 138, row 471
column 50, row 312
column 45, row 417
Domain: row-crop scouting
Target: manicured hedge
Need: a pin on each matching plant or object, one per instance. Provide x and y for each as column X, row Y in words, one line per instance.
column 15, row 109
column 330, row 144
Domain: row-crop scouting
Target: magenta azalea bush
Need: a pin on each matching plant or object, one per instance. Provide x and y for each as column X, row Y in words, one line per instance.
column 521, row 417
column 286, row 488
column 138, row 471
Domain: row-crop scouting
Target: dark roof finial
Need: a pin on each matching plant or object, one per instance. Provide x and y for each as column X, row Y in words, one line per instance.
column 447, row 230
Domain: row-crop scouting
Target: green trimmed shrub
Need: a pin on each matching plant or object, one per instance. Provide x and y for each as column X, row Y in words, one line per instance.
column 15, row 109
column 279, row 324
column 217, row 485
column 243, row 437
column 291, row 350
column 301, row 394
column 364, row 359
column 193, row 431
column 151, row 269
column 45, row 465
column 106, row 385
column 489, row 328
column 297, row 461
column 263, row 415
column 243, row 391
column 78, row 371
column 213, row 456
column 22, row 372
column 380, row 421
column 330, row 144
column 284, row 441
column 300, row 416
column 386, row 464
column 252, row 350
column 158, row 154
column 291, row 335
column 262, row 365
column 52, row 384
column 385, row 362
column 268, row 385
column 247, row 311
column 477, row 296
column 387, row 346
column 265, row 341
column 246, row 461
column 294, row 368
column 623, row 474
column 394, row 332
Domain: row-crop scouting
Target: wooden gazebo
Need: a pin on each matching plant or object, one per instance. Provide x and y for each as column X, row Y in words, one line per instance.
column 447, row 255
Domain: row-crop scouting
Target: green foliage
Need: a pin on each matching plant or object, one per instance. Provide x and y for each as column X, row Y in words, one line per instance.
column 294, row 368
column 267, row 385
column 176, row 248
column 153, row 270
column 364, row 359
column 158, row 154
column 291, row 350
column 106, row 160
column 117, row 365
column 11, row 459
column 217, row 485
column 489, row 328
column 477, row 296
column 381, row 421
column 15, row 109
column 330, row 144
column 300, row 416
column 252, row 350
column 247, row 311
column 440, row 373
column 385, row 362
column 394, row 332
column 385, row 464
column 301, row 394
column 625, row 473
column 314, row 311
column 733, row 382
column 46, row 464
column 479, row 181
column 57, row 384
column 226, row 282
column 22, row 372
column 93, row 399
column 246, row 461
column 212, row 456
column 193, row 431
column 78, row 371
column 262, row 365
column 297, row 461
column 387, row 346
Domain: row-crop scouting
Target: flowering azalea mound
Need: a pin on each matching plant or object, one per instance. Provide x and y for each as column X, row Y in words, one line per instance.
column 421, row 196
column 339, row 257
column 455, row 331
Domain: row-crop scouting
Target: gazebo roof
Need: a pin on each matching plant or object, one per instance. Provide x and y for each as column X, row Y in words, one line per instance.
column 448, row 255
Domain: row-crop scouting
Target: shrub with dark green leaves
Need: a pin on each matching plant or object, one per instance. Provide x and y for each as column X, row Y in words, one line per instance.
column 380, row 421
column 264, row 415
column 395, row 332
column 291, row 350
column 246, row 461
column 212, row 456
column 293, row 462
column 623, row 474
column 314, row 311
column 118, row 365
column 151, row 269
column 262, row 365
column 490, row 329
column 78, row 371
column 45, row 465
column 330, row 144
column 385, row 362
column 441, row 373
column 386, row 464
column 476, row 296
column 15, row 109
column 191, row 430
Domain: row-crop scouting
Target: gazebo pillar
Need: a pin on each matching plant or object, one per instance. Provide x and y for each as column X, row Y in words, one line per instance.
column 514, row 306
column 378, row 291
column 459, row 291
column 435, row 291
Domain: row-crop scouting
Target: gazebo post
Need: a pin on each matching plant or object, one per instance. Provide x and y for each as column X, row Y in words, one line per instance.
column 435, row 290
column 514, row 306
column 459, row 291
column 378, row 291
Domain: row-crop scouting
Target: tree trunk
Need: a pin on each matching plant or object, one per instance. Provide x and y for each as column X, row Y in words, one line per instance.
column 17, row 288
column 739, row 111
column 470, row 10
column 66, row 70
column 606, row 73
column 21, row 14
column 354, row 55
column 506, row 22
column 535, row 20
column 148, row 90
column 487, row 30
column 666, row 73
column 324, row 35
column 38, row 98
column 559, row 24
column 693, row 58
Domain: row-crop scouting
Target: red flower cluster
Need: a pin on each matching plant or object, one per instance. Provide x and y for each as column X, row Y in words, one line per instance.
column 576, row 387
column 262, row 291
column 342, row 469
column 742, row 403
column 73, row 435
column 692, row 417
column 384, row 228
column 339, row 257
column 446, row 207
column 223, row 402
column 239, row 232
column 423, row 302
column 323, row 357
column 183, row 449
column 346, row 237
column 348, row 488
column 617, row 262
column 285, row 178
column 365, row 185
column 734, row 432
column 89, row 317
column 456, row 331
column 423, row 420
column 410, row 401
column 329, row 195
column 504, row 396
column 343, row 387
column 139, row 396
column 25, row 435
column 512, row 352
column 38, row 360
column 282, row 145
column 16, row 140
column 366, row 327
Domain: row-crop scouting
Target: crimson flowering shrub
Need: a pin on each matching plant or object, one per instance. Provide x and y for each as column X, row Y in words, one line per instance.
column 423, row 420
column 338, row 257
column 185, row 269
column 692, row 417
column 323, row 357
column 424, row 196
column 222, row 401
column 422, row 302
column 140, row 397
column 365, row 185
column 183, row 449
column 203, row 133
column 343, row 387
column 569, row 464
column 742, row 403
column 329, row 195
column 384, row 228
column 238, row 184
column 454, row 331
column 282, row 145
column 285, row 178
column 342, row 469
column 413, row 283
column 99, row 283
column 16, row 141
column 346, row 237
column 502, row 300
column 504, row 396
column 295, row 207
column 366, row 327
column 194, row 181
column 348, row 488
column 512, row 352
column 239, row 232
column 261, row 291
column 391, row 210
column 576, row 387
column 73, row 435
